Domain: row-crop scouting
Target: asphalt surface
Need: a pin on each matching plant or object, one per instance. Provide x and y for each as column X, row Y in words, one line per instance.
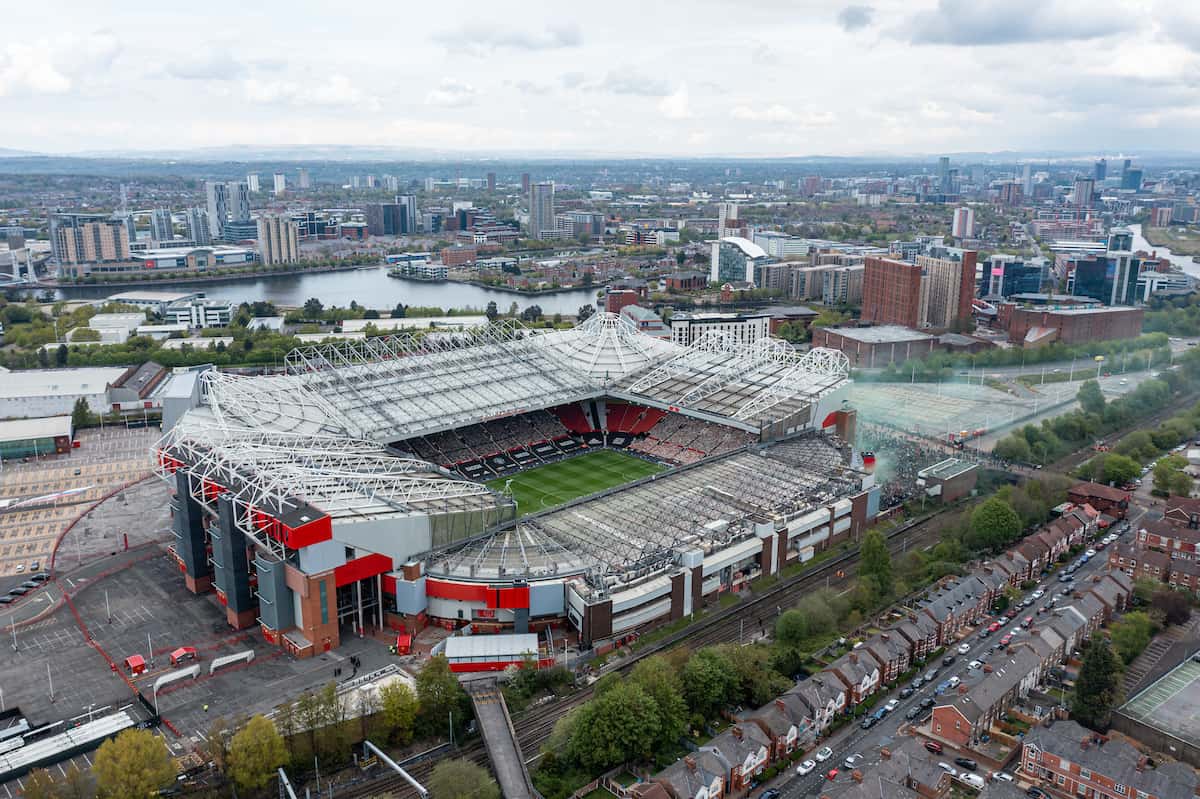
column 853, row 739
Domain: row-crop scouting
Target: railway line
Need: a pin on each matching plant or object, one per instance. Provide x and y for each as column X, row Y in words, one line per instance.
column 533, row 728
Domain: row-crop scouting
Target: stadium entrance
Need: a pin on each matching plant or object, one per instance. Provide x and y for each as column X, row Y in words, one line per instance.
column 358, row 605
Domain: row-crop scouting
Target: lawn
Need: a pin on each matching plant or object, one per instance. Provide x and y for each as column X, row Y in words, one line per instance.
column 557, row 483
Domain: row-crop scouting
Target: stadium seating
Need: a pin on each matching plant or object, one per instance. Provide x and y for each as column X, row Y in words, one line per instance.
column 573, row 418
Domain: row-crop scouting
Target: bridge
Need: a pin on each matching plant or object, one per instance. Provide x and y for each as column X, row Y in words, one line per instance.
column 12, row 273
column 491, row 713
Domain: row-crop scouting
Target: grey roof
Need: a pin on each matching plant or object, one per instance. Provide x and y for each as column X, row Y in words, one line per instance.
column 687, row 782
column 880, row 334
column 885, row 647
column 26, row 429
column 1115, row 759
column 854, row 672
column 1006, row 675
column 955, row 596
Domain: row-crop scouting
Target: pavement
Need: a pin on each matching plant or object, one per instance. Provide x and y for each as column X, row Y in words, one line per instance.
column 853, row 739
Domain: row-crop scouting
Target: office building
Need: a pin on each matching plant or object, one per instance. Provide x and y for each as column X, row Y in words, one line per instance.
column 88, row 238
column 1010, row 192
column 947, row 288
column 1110, row 277
column 686, row 328
column 1085, row 192
column 197, row 226
column 1100, row 171
column 964, row 223
column 408, row 214
column 944, row 180
column 200, row 313
column 1027, row 179
column 727, row 220
column 384, row 219
column 161, row 227
column 842, row 285
column 280, row 184
column 305, row 181
column 491, row 181
column 252, row 182
column 524, row 182
column 1131, row 179
column 1006, row 275
column 541, row 211
column 278, row 240
column 227, row 203
column 735, row 259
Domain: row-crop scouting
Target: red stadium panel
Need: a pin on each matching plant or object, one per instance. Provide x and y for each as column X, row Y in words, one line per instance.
column 361, row 568
column 313, row 532
column 510, row 597
column 464, row 592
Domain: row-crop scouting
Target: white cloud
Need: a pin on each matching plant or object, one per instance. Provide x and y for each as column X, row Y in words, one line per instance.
column 56, row 66
column 481, row 38
column 207, row 64
column 675, row 105
column 627, row 80
column 333, row 91
column 988, row 22
column 451, row 93
column 772, row 113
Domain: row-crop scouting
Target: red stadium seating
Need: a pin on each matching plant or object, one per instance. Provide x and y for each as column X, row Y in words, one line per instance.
column 573, row 418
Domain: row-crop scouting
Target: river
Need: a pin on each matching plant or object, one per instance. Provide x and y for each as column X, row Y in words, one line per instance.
column 369, row 287
column 1183, row 262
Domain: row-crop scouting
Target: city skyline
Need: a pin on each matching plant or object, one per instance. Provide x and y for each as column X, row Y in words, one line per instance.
column 774, row 80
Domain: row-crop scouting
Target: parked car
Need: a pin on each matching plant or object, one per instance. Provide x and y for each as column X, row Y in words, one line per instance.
column 1034, row 793
column 769, row 793
column 913, row 712
column 6, row 600
column 974, row 780
column 1006, row 640
column 1038, row 594
column 853, row 761
column 1001, row 776
column 37, row 564
column 823, row 754
column 40, row 577
column 892, row 705
column 964, row 649
column 927, row 702
column 1027, row 621
column 831, row 775
column 20, row 568
column 30, row 584
column 995, row 626
column 806, row 767
column 974, row 664
column 946, row 767
column 907, row 691
column 966, row 762
column 948, row 660
column 18, row 591
column 934, row 746
column 868, row 722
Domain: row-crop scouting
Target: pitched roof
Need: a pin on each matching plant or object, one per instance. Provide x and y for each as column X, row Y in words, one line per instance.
column 1099, row 490
column 1006, row 675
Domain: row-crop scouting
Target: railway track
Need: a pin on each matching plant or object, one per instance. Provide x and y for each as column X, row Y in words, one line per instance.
column 533, row 728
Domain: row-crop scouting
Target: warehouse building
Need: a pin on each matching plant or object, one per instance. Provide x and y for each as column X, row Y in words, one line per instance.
column 24, row 438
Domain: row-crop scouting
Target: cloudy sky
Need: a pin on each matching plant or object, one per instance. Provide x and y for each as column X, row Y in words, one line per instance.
column 687, row 77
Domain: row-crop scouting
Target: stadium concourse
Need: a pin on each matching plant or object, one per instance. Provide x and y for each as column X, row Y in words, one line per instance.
column 351, row 493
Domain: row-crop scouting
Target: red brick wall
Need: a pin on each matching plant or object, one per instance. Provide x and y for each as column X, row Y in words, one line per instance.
column 891, row 292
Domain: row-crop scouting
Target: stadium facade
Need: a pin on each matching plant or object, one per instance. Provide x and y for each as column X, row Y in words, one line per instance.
column 348, row 493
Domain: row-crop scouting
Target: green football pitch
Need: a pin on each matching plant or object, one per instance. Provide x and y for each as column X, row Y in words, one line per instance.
column 557, row 483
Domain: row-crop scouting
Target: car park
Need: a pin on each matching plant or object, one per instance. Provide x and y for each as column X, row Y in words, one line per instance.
column 40, row 577
column 823, row 754
column 20, row 568
column 37, row 564
column 964, row 649
column 806, row 767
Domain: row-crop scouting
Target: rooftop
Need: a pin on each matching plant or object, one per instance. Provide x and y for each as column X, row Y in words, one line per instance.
column 944, row 470
column 58, row 382
column 153, row 296
column 880, row 334
column 25, row 429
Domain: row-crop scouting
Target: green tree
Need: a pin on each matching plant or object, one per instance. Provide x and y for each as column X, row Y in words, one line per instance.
column 43, row 358
column 1164, row 470
column 585, row 312
column 255, row 754
column 792, row 628
column 1172, row 605
column 1132, row 634
column 875, row 564
column 1013, row 448
column 660, row 682
column 60, row 356
column 1091, row 398
column 398, row 711
column 1180, row 485
column 134, row 765
column 491, row 312
column 40, row 785
column 993, row 525
column 462, row 779
column 81, row 414
column 1098, row 687
column 1120, row 469
column 439, row 695
column 708, row 682
column 313, row 308
column 619, row 726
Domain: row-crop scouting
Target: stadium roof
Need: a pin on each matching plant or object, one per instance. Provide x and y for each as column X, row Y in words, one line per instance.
column 393, row 388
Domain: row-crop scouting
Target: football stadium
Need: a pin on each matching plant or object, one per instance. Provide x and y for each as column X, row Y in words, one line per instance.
column 507, row 479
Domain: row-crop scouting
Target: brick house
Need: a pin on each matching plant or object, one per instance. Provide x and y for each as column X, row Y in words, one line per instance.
column 891, row 652
column 959, row 604
column 1110, row 591
column 776, row 720
column 1112, row 501
column 700, row 775
column 1183, row 511
column 1185, row 576
column 920, row 632
column 746, row 750
column 1037, row 553
column 825, row 697
column 963, row 717
column 1068, row 760
column 858, row 672
column 1178, row 540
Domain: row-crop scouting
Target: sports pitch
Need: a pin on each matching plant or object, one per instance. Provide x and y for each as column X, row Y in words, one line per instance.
column 557, row 483
column 1171, row 703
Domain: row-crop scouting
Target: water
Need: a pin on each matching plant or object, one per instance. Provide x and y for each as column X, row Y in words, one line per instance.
column 370, row 288
column 1183, row 262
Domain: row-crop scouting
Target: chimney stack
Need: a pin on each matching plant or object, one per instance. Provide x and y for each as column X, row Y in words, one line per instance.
column 854, row 658
column 737, row 731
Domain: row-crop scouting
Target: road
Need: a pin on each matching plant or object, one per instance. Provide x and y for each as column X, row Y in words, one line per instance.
column 853, row 739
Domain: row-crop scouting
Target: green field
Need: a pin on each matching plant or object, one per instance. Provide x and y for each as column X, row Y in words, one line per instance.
column 558, row 483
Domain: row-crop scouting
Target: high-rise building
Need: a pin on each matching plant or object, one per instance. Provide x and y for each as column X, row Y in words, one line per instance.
column 1100, row 170
column 1110, row 277
column 197, row 226
column 1006, row 275
column 370, row 181
column 1027, row 179
column 384, row 219
column 1131, row 179
column 964, row 223
column 491, row 181
column 391, row 183
column 1085, row 193
column 278, row 239
column 252, row 182
column 305, row 181
column 227, row 202
column 891, row 292
column 88, row 238
column 541, row 211
column 947, row 288
column 1125, row 165
column 944, row 179
column 728, row 223
column 524, row 182
column 408, row 213
column 14, row 235
column 161, row 227
column 932, row 292
column 280, row 183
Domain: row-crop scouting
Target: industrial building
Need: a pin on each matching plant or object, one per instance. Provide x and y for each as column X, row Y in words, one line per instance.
column 24, row 438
